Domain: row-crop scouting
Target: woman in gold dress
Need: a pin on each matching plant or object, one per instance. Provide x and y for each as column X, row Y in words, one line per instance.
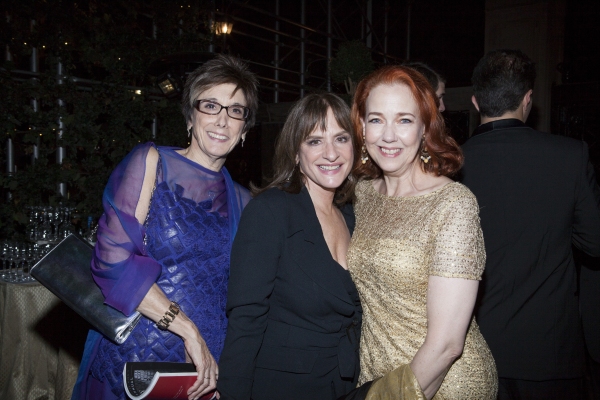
column 417, row 252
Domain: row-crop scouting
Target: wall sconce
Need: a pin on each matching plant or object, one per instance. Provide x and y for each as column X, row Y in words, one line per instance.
column 171, row 70
column 169, row 85
column 223, row 28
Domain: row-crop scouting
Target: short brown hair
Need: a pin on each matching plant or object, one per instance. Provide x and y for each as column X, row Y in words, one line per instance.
column 446, row 156
column 220, row 70
column 307, row 114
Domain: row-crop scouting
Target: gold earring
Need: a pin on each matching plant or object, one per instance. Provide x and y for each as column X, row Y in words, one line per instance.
column 364, row 155
column 425, row 157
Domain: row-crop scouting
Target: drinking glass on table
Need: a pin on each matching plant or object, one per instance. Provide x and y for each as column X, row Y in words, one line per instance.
column 4, row 259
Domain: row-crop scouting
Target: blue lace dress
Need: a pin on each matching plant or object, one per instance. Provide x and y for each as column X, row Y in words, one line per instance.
column 187, row 233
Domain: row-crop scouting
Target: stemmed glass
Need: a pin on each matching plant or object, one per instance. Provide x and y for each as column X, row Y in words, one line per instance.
column 20, row 252
column 9, row 273
column 26, row 262
column 18, row 258
column 31, row 222
column 45, row 231
column 4, row 265
column 64, row 226
column 13, row 261
column 49, row 224
column 45, row 226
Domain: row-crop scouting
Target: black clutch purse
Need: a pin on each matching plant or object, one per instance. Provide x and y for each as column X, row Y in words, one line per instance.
column 65, row 271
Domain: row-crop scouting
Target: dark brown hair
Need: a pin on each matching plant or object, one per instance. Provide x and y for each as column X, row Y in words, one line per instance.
column 446, row 156
column 500, row 81
column 305, row 116
column 432, row 77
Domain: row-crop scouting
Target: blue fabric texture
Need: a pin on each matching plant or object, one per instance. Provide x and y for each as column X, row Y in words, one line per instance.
column 192, row 246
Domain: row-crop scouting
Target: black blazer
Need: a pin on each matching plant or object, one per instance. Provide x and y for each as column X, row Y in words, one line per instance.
column 589, row 295
column 537, row 196
column 294, row 313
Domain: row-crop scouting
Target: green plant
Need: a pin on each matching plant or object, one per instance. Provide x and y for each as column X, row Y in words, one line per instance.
column 351, row 63
column 111, row 46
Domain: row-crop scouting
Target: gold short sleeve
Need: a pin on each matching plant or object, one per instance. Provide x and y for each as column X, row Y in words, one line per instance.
column 458, row 250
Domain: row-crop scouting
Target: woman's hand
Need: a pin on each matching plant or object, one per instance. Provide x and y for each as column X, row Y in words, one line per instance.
column 197, row 353
column 153, row 306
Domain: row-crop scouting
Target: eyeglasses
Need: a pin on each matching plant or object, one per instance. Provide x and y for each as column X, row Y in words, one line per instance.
column 213, row 108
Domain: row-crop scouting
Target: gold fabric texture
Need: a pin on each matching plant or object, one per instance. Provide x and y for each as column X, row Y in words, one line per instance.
column 41, row 342
column 397, row 244
column 399, row 384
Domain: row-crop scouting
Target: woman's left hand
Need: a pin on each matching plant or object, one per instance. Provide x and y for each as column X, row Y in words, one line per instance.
column 197, row 353
column 153, row 306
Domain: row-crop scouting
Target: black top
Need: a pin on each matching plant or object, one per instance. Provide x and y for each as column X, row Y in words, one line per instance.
column 294, row 313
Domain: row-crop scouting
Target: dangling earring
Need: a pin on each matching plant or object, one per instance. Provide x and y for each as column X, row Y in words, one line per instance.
column 425, row 157
column 364, row 155
column 190, row 132
column 243, row 140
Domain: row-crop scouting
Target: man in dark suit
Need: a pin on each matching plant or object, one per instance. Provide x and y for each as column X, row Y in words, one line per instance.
column 537, row 196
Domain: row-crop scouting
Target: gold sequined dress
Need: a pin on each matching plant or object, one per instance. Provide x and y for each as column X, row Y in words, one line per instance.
column 397, row 244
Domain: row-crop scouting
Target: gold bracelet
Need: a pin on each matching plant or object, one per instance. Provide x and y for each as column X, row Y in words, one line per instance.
column 169, row 316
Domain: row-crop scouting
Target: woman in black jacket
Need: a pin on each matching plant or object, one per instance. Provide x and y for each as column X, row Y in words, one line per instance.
column 294, row 313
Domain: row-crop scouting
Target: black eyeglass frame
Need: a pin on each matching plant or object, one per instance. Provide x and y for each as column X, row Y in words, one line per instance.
column 197, row 102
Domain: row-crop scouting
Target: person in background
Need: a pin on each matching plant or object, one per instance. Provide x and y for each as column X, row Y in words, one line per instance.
column 417, row 252
column 170, row 215
column 294, row 313
column 538, row 196
column 437, row 82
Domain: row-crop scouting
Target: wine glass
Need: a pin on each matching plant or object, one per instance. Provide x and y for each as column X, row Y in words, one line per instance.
column 4, row 271
column 27, row 261
column 44, row 228
column 31, row 222
column 10, row 267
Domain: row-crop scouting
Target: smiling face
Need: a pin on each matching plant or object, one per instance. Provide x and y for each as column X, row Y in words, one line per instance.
column 325, row 157
column 393, row 128
column 214, row 136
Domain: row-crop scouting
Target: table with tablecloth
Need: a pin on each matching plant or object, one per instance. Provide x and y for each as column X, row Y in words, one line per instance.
column 41, row 343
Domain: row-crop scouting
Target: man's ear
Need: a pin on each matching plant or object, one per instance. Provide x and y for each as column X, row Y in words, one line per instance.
column 528, row 98
column 527, row 104
column 474, row 101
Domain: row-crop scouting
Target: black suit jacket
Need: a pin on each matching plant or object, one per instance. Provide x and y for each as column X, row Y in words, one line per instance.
column 289, row 305
column 537, row 196
column 589, row 295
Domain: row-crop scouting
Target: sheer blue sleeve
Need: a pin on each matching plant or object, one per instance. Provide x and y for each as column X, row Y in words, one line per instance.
column 120, row 265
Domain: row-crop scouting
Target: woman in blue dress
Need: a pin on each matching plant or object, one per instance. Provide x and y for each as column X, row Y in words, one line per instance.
column 164, row 239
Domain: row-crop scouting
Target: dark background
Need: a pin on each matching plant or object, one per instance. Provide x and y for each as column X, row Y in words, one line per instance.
column 449, row 35
column 111, row 44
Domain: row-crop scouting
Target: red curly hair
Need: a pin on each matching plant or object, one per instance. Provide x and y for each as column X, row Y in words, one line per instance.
column 446, row 156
